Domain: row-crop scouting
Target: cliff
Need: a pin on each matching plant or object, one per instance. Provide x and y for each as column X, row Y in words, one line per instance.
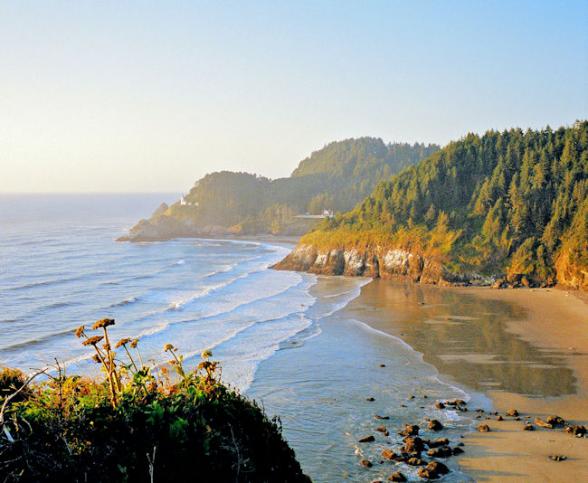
column 378, row 262
column 506, row 208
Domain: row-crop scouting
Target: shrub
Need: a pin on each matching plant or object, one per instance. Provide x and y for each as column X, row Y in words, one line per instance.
column 138, row 423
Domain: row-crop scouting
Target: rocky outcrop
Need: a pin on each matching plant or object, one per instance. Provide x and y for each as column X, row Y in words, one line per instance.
column 377, row 262
column 163, row 227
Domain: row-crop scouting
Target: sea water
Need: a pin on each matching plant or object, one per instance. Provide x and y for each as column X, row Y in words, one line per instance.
column 280, row 336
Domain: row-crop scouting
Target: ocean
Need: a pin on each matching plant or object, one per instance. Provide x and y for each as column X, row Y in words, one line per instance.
column 282, row 337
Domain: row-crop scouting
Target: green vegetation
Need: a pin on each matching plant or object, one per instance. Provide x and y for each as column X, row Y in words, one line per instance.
column 513, row 203
column 137, row 425
column 334, row 178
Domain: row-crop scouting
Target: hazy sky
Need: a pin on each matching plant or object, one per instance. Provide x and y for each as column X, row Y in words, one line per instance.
column 149, row 96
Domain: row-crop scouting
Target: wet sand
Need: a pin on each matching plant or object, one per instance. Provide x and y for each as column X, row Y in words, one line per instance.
column 525, row 349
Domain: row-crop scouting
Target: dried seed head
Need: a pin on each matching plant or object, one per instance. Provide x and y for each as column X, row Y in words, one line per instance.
column 122, row 342
column 96, row 359
column 134, row 343
column 103, row 323
column 168, row 347
column 207, row 354
column 93, row 340
column 80, row 331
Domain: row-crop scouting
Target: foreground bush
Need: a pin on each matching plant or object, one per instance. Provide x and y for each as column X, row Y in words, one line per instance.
column 138, row 424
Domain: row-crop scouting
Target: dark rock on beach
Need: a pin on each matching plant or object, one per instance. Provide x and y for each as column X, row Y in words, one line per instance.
column 397, row 476
column 433, row 471
column 410, row 430
column 389, row 455
column 435, row 425
column 555, row 421
column 366, row 439
column 414, row 461
column 413, row 445
column 576, row 430
column 558, row 457
column 440, row 452
column 437, row 442
column 483, row 428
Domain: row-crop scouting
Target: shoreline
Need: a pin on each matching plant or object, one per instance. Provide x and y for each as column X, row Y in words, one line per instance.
column 328, row 385
column 492, row 454
column 265, row 237
column 545, row 329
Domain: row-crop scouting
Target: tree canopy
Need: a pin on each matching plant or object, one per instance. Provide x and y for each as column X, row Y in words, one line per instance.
column 512, row 202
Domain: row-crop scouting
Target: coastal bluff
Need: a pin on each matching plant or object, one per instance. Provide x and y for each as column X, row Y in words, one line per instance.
column 504, row 208
column 379, row 262
column 329, row 181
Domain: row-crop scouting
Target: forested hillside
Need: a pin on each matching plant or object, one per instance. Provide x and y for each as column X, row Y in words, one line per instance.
column 334, row 178
column 511, row 204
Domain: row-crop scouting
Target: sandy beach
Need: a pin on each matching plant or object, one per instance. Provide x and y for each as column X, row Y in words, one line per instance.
column 525, row 349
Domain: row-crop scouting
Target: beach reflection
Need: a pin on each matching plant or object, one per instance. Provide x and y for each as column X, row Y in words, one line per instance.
column 465, row 337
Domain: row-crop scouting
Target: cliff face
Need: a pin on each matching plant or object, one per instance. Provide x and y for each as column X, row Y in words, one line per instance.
column 377, row 262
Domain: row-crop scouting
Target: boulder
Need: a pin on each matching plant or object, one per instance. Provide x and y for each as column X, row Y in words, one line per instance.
column 576, row 430
column 410, row 430
column 413, row 445
column 439, row 405
column 377, row 416
column 366, row 439
column 528, row 427
column 389, row 455
column 440, row 452
column 435, row 425
column 433, row 470
column 483, row 428
column 437, row 442
column 555, row 421
column 499, row 283
column 365, row 463
column 397, row 476
column 512, row 413
column 414, row 461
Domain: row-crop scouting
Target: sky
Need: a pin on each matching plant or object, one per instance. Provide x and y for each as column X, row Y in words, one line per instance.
column 150, row 96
